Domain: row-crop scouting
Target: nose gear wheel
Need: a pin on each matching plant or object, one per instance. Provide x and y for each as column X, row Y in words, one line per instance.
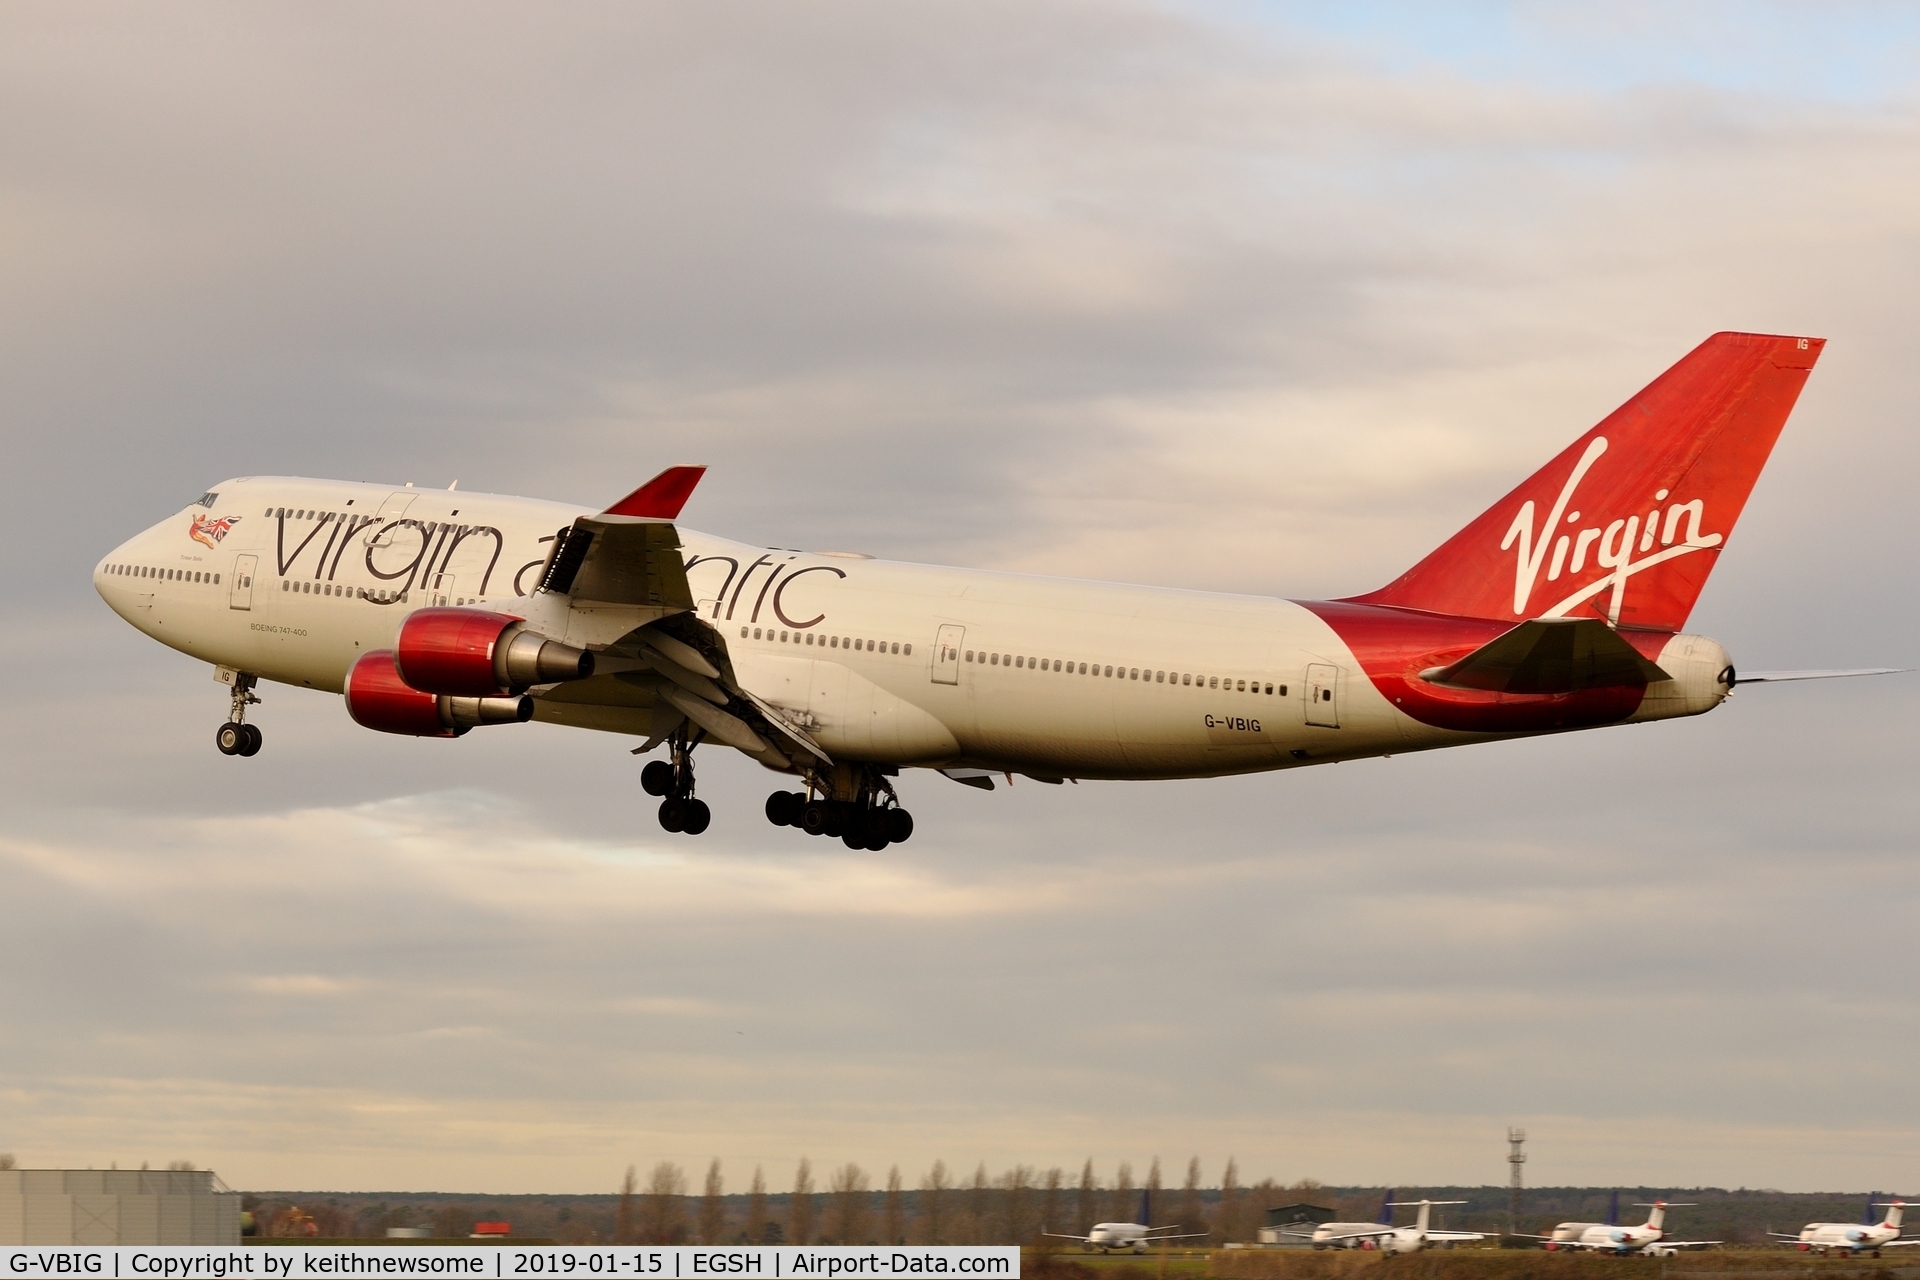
column 236, row 737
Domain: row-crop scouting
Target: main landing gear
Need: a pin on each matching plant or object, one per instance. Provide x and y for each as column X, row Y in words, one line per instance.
column 236, row 737
column 673, row 779
column 856, row 803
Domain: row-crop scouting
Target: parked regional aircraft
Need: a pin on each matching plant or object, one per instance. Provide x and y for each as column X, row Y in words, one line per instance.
column 1137, row 1236
column 1345, row 1235
column 434, row 612
column 1649, row 1240
column 1854, row 1237
column 1389, row 1238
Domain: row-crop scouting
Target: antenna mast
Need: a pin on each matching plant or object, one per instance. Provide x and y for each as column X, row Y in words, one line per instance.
column 1516, row 1157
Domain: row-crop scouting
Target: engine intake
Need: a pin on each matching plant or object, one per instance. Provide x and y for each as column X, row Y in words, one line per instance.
column 378, row 698
column 476, row 653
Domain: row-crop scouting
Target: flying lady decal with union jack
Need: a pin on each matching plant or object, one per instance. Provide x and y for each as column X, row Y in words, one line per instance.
column 210, row 531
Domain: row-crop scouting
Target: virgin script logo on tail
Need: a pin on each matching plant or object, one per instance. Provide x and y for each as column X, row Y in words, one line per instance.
column 1611, row 544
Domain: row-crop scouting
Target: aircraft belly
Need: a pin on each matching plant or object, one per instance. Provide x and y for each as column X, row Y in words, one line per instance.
column 851, row 716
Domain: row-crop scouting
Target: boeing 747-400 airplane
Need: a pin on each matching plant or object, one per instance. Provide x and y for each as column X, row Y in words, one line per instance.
column 433, row 612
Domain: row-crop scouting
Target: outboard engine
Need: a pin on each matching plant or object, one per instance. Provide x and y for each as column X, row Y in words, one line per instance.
column 378, row 698
column 476, row 653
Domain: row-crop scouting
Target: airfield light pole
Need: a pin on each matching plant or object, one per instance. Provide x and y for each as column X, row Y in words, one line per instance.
column 1516, row 1157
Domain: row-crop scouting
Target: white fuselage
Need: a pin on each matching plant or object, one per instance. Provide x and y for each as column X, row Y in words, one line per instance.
column 1601, row 1235
column 1854, row 1237
column 1347, row 1235
column 1119, row 1235
column 882, row 662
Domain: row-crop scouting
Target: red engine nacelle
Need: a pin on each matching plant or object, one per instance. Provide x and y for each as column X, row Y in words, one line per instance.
column 475, row 653
column 377, row 698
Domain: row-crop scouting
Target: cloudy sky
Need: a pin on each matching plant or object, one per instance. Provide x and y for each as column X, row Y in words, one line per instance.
column 1250, row 297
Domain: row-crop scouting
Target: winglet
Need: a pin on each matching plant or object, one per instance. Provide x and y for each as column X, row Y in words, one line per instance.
column 661, row 497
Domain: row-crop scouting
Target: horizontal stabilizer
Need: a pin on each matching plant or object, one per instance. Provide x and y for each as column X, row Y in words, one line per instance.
column 1550, row 655
column 1774, row 677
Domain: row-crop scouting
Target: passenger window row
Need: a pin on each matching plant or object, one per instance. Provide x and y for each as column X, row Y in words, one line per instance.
column 341, row 590
column 1020, row 661
column 164, row 575
column 308, row 513
column 827, row 642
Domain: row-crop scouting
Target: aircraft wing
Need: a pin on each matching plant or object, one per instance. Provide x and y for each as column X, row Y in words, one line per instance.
column 1683, row 1244
column 631, row 561
column 617, row 581
column 1446, row 1237
column 623, row 566
column 1549, row 655
column 1895, row 1244
column 1056, row 1235
column 1191, row 1235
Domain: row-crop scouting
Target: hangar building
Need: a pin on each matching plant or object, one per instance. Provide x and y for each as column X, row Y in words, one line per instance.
column 117, row 1206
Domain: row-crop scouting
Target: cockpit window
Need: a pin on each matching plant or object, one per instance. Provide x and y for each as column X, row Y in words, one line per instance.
column 207, row 500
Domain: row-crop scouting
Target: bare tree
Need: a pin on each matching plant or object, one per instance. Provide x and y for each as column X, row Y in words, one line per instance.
column 1086, row 1202
column 713, row 1209
column 849, row 1223
column 1153, row 1194
column 1193, row 1217
column 1016, row 1208
column 933, row 1205
column 976, row 1225
column 1122, row 1202
column 800, row 1208
column 663, row 1210
column 1266, row 1195
column 896, row 1212
column 623, row 1217
column 757, row 1209
column 1050, row 1200
column 1227, row 1226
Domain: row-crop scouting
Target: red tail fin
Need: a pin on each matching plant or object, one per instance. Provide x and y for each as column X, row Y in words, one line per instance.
column 1627, row 522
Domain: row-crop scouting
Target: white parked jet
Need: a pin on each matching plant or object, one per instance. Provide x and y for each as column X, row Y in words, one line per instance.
column 1649, row 1239
column 1136, row 1237
column 1389, row 1238
column 435, row 612
column 1854, row 1237
column 1344, row 1235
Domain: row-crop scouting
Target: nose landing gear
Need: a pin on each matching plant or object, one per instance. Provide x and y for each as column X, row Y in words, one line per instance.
column 673, row 780
column 236, row 737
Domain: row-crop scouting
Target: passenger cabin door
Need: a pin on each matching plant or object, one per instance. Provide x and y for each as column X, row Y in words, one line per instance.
column 946, row 654
column 1323, row 695
column 240, row 594
column 441, row 593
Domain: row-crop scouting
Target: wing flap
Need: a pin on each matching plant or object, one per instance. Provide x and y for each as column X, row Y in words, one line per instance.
column 1549, row 655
